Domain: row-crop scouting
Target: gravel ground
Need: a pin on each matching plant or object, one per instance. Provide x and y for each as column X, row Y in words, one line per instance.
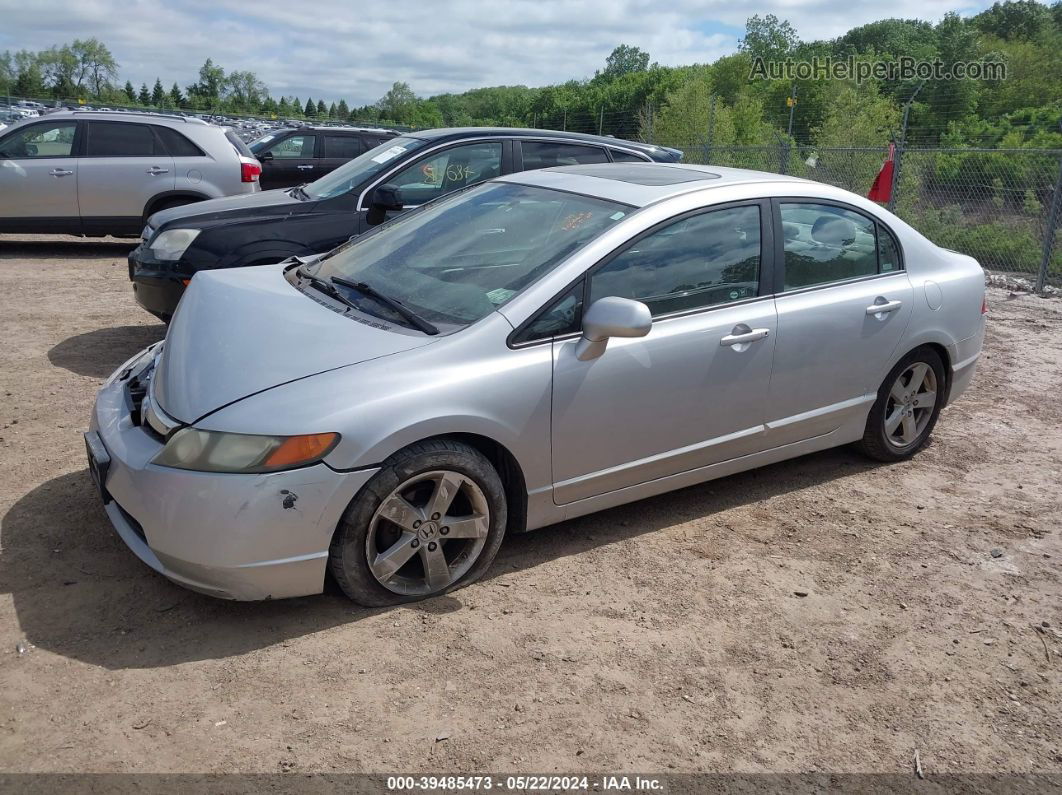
column 667, row 635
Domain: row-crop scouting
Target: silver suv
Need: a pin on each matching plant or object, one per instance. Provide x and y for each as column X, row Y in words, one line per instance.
column 91, row 173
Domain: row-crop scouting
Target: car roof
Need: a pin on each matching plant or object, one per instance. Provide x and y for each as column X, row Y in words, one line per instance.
column 124, row 115
column 340, row 128
column 640, row 184
column 522, row 132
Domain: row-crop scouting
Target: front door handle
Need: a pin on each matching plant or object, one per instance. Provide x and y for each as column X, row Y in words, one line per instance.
column 155, row 171
column 60, row 172
column 304, row 168
column 752, row 335
column 884, row 307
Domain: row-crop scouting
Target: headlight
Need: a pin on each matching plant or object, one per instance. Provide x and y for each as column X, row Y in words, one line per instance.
column 214, row 451
column 171, row 244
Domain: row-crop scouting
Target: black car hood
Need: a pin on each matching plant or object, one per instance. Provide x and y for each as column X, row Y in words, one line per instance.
column 229, row 208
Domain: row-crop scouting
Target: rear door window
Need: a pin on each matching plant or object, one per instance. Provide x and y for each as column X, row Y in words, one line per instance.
column 342, row 146
column 824, row 243
column 120, row 139
column 625, row 157
column 546, row 154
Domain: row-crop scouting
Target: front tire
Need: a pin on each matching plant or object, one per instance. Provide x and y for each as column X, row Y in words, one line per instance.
column 429, row 522
column 906, row 410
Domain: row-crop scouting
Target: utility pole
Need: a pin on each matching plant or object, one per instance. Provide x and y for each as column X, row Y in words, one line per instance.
column 601, row 120
column 900, row 146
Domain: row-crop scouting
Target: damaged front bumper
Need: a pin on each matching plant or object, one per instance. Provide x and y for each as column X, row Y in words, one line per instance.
column 260, row 536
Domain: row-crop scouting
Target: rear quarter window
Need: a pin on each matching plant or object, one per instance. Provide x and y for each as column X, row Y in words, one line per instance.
column 237, row 144
column 177, row 144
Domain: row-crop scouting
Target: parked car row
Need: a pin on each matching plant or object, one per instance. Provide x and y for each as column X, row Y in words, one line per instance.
column 463, row 333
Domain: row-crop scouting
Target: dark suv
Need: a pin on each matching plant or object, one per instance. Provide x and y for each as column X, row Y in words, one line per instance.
column 401, row 173
column 294, row 156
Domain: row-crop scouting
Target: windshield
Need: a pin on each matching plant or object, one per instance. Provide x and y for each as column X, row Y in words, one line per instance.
column 463, row 256
column 363, row 167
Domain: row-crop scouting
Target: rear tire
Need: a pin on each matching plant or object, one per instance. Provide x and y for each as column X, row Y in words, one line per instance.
column 429, row 522
column 907, row 407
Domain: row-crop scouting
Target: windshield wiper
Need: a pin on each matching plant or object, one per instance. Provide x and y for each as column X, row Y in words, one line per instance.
column 395, row 305
column 326, row 287
column 298, row 193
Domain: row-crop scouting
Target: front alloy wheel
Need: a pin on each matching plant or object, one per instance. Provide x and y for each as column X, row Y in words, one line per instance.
column 427, row 533
column 431, row 520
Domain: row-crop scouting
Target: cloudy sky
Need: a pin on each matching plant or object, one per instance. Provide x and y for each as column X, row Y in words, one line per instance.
column 336, row 49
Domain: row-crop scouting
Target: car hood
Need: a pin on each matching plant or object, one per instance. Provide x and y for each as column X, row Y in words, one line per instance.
column 203, row 213
column 241, row 331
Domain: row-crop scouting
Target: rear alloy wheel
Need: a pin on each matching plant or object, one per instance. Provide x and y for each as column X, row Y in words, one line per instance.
column 907, row 407
column 430, row 521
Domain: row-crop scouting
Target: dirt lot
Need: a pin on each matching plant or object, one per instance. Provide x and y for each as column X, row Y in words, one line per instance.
column 661, row 636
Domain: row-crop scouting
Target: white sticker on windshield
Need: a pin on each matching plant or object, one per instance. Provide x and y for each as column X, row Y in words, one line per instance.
column 617, row 216
column 389, row 154
column 500, row 295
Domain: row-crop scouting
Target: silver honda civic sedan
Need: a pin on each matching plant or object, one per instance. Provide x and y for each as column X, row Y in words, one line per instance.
column 525, row 351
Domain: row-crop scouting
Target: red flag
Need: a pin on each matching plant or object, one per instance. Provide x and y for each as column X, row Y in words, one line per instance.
column 881, row 190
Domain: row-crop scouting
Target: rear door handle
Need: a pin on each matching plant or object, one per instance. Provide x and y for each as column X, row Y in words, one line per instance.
column 304, row 168
column 60, row 172
column 155, row 171
column 748, row 336
column 884, row 307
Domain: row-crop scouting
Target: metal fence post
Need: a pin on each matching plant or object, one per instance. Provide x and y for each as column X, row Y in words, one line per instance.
column 711, row 131
column 894, row 190
column 783, row 156
column 1049, row 231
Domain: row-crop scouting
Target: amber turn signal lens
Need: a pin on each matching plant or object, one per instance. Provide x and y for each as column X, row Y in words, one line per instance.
column 186, row 282
column 297, row 450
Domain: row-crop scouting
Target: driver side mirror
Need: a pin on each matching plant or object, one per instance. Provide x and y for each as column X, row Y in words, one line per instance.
column 611, row 316
column 265, row 157
column 384, row 199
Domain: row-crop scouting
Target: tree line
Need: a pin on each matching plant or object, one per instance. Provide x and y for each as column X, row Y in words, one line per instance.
column 711, row 104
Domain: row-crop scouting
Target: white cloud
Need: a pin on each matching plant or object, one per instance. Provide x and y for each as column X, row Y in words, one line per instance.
column 332, row 49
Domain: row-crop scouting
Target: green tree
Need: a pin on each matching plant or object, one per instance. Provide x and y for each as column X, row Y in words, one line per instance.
column 322, row 111
column 624, row 60
column 95, row 68
column 342, row 111
column 244, row 91
column 144, row 97
column 207, row 90
column 283, row 108
column 130, row 92
column 1023, row 19
column 333, row 112
column 176, row 97
column 398, row 103
column 158, row 94
column 310, row 111
column 768, row 37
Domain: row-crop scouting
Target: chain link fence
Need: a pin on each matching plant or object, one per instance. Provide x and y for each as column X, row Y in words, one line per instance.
column 1000, row 206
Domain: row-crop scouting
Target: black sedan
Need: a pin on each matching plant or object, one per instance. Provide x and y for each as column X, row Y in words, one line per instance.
column 397, row 175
